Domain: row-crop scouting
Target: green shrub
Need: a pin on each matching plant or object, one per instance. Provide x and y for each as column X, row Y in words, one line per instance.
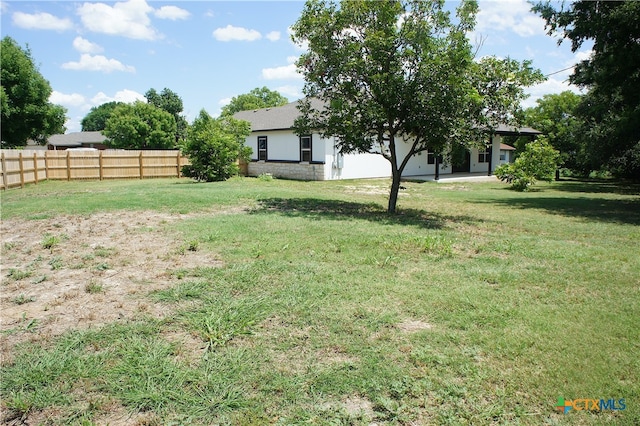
column 539, row 161
column 214, row 147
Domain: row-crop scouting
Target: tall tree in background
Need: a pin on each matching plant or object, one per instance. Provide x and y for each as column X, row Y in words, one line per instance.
column 397, row 78
column 24, row 99
column 140, row 126
column 256, row 99
column 96, row 118
column 170, row 102
column 555, row 116
column 610, row 111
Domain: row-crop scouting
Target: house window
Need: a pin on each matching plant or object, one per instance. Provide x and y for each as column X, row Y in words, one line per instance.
column 431, row 158
column 503, row 157
column 262, row 148
column 483, row 156
column 305, row 148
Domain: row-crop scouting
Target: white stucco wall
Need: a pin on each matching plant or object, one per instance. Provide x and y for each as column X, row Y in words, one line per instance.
column 418, row 165
column 354, row 166
column 283, row 159
column 284, row 145
column 361, row 166
column 477, row 167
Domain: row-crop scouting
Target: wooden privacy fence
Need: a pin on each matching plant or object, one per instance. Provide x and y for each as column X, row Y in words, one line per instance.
column 20, row 167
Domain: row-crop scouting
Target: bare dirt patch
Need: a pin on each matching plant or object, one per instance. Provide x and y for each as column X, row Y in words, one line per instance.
column 356, row 405
column 411, row 326
column 371, row 190
column 75, row 272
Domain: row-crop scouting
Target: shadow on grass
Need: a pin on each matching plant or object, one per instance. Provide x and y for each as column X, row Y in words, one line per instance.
column 597, row 186
column 592, row 208
column 347, row 210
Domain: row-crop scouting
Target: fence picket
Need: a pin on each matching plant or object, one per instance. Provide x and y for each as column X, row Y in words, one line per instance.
column 71, row 165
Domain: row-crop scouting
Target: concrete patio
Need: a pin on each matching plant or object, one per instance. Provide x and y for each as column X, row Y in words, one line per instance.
column 454, row 177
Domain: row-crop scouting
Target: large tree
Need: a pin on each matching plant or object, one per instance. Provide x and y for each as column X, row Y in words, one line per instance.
column 24, row 99
column 170, row 102
column 610, row 111
column 214, row 147
column 140, row 126
column 260, row 97
column 398, row 78
column 555, row 116
column 96, row 118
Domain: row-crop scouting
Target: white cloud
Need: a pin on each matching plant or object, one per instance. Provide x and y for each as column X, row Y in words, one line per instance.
column 68, row 100
column 512, row 15
column 171, row 12
column 83, row 45
column 126, row 96
column 41, row 21
column 128, row 19
column 551, row 86
column 286, row 72
column 582, row 55
column 290, row 91
column 97, row 63
column 224, row 101
column 230, row 33
column 273, row 36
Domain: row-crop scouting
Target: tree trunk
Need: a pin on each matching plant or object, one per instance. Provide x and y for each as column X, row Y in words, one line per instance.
column 393, row 195
column 396, row 175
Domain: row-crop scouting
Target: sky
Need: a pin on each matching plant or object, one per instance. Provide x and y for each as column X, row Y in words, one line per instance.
column 207, row 52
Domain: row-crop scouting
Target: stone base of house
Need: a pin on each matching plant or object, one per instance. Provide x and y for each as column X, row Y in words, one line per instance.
column 297, row 171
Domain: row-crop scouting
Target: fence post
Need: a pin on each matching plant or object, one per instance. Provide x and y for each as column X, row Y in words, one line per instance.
column 46, row 164
column 4, row 173
column 141, row 166
column 178, row 165
column 68, row 165
column 100, row 165
column 35, row 166
column 21, row 170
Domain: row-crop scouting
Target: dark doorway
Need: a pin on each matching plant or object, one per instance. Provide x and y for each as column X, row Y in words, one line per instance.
column 460, row 159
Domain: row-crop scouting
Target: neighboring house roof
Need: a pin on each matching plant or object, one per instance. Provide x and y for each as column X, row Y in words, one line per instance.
column 76, row 139
column 276, row 118
column 505, row 147
column 505, row 130
column 283, row 118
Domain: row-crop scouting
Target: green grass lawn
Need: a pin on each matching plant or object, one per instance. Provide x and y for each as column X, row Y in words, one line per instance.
column 474, row 305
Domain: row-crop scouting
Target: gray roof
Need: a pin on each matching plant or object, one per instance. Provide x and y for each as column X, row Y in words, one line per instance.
column 283, row 117
column 276, row 118
column 505, row 130
column 76, row 139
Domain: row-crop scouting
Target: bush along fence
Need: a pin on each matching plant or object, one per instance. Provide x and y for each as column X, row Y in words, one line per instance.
column 20, row 167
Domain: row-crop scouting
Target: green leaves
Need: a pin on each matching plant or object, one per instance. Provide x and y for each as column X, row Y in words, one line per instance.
column 255, row 99
column 214, row 146
column 96, row 119
column 140, row 126
column 398, row 78
column 610, row 111
column 539, row 161
column 26, row 110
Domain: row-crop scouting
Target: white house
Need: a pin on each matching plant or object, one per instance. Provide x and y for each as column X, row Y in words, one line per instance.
column 279, row 151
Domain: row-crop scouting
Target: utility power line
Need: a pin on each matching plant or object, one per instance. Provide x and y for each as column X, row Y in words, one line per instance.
column 558, row 72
